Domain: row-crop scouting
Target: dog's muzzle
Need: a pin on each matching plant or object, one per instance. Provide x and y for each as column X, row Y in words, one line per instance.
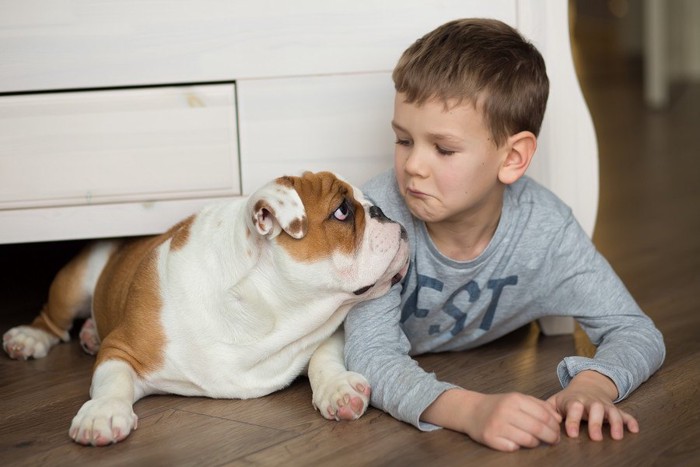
column 394, row 280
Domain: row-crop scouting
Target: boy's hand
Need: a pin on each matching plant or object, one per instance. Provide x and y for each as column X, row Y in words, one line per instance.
column 505, row 422
column 590, row 396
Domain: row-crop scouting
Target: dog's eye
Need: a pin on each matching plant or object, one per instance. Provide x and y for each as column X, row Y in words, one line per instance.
column 343, row 212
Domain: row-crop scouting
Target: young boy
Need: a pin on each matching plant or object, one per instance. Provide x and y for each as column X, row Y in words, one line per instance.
column 491, row 251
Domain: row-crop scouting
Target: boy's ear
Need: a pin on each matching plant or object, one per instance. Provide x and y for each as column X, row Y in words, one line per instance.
column 520, row 148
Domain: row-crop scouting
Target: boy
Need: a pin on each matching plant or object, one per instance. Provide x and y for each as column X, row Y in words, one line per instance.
column 491, row 251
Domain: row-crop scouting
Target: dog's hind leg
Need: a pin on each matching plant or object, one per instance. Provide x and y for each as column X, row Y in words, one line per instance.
column 69, row 298
column 338, row 394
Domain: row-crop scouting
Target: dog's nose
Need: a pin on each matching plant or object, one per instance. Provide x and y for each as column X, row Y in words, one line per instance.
column 375, row 212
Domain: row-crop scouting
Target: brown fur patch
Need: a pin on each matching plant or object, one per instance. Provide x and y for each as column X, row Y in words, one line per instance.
column 180, row 233
column 127, row 301
column 67, row 297
column 127, row 307
column 322, row 193
column 287, row 181
column 296, row 227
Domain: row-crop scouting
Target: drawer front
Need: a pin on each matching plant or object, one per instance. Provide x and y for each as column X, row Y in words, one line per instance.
column 339, row 123
column 69, row 44
column 115, row 146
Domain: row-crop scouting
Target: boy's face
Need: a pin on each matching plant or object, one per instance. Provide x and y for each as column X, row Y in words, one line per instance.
column 446, row 162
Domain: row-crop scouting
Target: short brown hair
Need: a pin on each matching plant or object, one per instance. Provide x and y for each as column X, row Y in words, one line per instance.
column 485, row 62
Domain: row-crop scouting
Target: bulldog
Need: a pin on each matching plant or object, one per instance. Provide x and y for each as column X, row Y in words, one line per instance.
column 233, row 302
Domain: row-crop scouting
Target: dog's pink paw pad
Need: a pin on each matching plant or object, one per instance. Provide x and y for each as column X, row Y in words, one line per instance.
column 351, row 410
column 344, row 396
column 357, row 405
column 89, row 339
column 362, row 389
column 103, row 421
column 23, row 342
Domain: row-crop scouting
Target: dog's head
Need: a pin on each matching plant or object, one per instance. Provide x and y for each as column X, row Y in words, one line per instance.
column 322, row 231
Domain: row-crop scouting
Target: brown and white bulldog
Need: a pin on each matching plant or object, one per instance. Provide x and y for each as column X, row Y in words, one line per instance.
column 233, row 302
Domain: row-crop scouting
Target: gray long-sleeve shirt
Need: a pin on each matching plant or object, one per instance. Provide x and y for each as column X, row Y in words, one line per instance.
column 539, row 263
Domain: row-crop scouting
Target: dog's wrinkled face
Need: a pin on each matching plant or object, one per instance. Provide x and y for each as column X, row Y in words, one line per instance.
column 329, row 235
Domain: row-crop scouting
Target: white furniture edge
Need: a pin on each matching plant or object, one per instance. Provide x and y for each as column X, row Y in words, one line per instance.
column 573, row 178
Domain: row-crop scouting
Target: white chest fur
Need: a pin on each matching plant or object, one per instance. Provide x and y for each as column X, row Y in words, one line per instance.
column 232, row 331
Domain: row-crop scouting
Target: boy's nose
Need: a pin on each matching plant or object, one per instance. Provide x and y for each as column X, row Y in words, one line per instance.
column 416, row 161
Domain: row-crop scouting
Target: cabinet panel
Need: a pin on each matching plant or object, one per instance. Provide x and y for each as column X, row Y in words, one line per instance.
column 338, row 123
column 95, row 221
column 113, row 146
column 68, row 44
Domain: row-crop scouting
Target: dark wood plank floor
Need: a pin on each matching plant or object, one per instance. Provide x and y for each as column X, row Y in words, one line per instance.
column 648, row 227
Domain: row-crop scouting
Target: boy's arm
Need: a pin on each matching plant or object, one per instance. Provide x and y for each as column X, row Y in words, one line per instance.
column 377, row 347
column 501, row 421
column 584, row 285
column 629, row 347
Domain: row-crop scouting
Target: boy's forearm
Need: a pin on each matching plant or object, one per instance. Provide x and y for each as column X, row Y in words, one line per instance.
column 505, row 422
column 451, row 409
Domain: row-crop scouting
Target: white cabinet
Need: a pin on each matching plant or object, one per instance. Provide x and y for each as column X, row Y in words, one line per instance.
column 66, row 149
column 121, row 118
column 69, row 44
column 338, row 122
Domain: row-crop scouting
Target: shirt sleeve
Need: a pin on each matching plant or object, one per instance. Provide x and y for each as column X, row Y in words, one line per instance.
column 629, row 347
column 376, row 347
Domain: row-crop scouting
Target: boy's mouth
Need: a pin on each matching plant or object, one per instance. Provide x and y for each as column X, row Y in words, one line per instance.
column 416, row 193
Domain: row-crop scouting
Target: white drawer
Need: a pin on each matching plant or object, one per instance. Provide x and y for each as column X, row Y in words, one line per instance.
column 78, row 148
column 340, row 123
column 68, row 44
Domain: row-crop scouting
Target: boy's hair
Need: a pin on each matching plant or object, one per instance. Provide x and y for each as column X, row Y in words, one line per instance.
column 485, row 62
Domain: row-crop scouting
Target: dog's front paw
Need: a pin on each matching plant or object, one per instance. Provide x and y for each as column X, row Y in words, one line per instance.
column 24, row 342
column 100, row 422
column 344, row 396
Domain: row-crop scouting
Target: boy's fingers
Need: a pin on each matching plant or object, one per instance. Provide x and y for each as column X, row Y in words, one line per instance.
column 542, row 411
column 617, row 425
column 504, row 444
column 537, row 423
column 574, row 413
column 548, row 434
column 532, row 431
column 553, row 402
column 631, row 422
column 596, row 416
column 523, row 438
column 552, row 410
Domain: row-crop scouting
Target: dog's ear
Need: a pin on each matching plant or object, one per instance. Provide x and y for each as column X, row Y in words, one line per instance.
column 276, row 207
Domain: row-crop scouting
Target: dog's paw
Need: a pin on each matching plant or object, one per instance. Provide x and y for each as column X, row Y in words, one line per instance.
column 100, row 422
column 344, row 396
column 89, row 340
column 25, row 342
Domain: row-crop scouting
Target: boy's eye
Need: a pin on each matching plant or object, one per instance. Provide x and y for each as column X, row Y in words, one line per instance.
column 402, row 142
column 343, row 212
column 443, row 151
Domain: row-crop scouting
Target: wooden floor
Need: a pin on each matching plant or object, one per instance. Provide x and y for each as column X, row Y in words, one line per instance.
column 648, row 227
